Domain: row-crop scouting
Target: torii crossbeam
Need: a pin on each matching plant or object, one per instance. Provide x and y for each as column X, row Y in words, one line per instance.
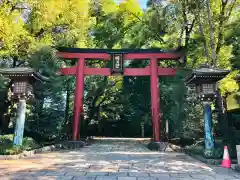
column 118, row 56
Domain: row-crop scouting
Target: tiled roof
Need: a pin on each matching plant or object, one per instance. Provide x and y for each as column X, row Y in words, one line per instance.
column 22, row 71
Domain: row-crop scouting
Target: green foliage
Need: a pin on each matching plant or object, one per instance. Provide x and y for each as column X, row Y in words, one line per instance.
column 45, row 61
column 233, row 39
column 198, row 149
column 49, row 107
column 7, row 147
column 26, row 42
column 3, row 82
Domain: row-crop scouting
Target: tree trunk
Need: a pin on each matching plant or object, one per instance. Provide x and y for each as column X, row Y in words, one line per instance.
column 198, row 17
column 15, row 59
column 188, row 29
column 99, row 119
column 67, row 103
column 223, row 17
column 142, row 129
column 185, row 22
column 167, row 130
column 180, row 37
column 211, row 31
column 220, row 27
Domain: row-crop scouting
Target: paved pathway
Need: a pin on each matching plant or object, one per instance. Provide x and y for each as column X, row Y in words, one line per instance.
column 112, row 160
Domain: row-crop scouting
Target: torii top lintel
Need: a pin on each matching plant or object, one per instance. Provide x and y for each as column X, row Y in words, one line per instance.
column 71, row 53
column 126, row 54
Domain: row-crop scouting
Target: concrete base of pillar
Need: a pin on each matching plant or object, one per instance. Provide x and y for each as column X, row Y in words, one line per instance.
column 237, row 168
column 73, row 144
column 157, row 146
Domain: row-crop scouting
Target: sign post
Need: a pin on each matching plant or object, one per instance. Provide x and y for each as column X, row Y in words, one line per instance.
column 117, row 63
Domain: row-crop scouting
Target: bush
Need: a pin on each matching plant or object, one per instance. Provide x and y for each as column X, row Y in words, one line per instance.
column 183, row 141
column 7, row 147
column 217, row 153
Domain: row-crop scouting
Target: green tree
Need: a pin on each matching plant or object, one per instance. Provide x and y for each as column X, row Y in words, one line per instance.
column 27, row 30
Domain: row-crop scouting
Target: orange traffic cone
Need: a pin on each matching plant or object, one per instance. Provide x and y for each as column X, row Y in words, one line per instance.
column 226, row 162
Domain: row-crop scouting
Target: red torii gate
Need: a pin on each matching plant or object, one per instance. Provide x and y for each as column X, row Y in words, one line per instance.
column 118, row 56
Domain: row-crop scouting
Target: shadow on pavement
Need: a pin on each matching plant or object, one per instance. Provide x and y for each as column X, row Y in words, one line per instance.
column 124, row 160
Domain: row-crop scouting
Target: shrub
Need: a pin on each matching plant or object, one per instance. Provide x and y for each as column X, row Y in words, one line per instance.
column 7, row 147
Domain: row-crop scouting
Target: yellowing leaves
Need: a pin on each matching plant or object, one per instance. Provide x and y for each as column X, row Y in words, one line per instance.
column 76, row 12
column 11, row 31
column 73, row 15
column 103, row 114
column 131, row 9
column 228, row 84
column 49, row 12
column 224, row 55
column 46, row 40
column 231, row 86
column 109, row 6
column 131, row 6
column 46, row 12
column 76, row 16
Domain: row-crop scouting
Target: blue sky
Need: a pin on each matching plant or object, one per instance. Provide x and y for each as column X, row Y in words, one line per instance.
column 143, row 3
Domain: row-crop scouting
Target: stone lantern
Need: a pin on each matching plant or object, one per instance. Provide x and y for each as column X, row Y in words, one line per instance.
column 21, row 90
column 204, row 81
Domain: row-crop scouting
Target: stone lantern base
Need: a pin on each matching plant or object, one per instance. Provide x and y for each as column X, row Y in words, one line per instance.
column 237, row 167
column 72, row 145
column 157, row 146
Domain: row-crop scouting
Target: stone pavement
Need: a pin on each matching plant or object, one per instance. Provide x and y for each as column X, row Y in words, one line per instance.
column 114, row 159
